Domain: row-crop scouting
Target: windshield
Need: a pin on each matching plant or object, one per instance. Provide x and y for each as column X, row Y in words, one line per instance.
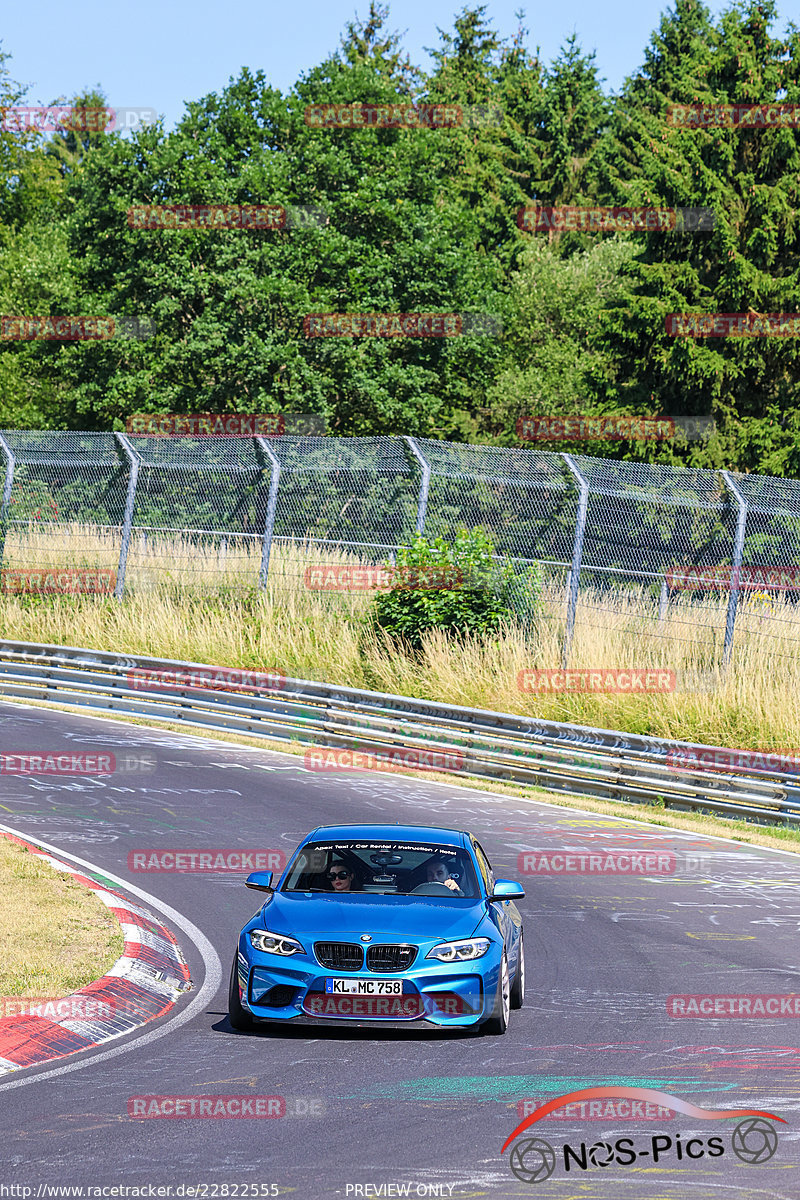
column 383, row 868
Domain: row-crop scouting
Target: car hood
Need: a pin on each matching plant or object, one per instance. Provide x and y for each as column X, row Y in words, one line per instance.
column 408, row 918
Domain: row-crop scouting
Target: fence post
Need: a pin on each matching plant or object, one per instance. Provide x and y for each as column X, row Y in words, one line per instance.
column 738, row 550
column 663, row 600
column 422, row 505
column 127, row 521
column 272, row 505
column 6, row 501
column 577, row 555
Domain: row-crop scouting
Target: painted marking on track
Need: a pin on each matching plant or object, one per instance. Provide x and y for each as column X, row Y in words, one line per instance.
column 250, row 1080
column 722, row 937
column 511, row 1087
column 632, row 916
column 463, row 792
column 185, row 762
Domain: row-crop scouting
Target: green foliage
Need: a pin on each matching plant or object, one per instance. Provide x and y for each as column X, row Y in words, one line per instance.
column 425, row 220
column 524, row 591
column 555, row 361
column 484, row 593
column 574, row 111
column 750, row 178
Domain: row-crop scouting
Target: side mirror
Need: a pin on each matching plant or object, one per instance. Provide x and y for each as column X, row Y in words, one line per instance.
column 506, row 889
column 259, row 881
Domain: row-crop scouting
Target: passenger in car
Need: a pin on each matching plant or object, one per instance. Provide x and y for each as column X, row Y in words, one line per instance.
column 341, row 878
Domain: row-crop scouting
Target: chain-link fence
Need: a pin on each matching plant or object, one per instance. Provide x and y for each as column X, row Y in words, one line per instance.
column 696, row 553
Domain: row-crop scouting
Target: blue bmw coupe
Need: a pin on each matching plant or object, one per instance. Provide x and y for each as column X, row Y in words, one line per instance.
column 382, row 925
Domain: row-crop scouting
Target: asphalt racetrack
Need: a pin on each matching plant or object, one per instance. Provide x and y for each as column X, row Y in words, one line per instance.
column 385, row 1113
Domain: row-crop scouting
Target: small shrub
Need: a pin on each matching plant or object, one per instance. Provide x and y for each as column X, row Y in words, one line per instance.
column 484, row 594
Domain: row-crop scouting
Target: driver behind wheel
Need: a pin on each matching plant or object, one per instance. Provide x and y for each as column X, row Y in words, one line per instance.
column 439, row 872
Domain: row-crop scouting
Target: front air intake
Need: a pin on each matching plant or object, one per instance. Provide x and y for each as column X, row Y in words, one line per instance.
column 340, row 956
column 391, row 958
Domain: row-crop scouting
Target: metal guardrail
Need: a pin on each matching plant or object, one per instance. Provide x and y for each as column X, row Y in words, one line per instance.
column 576, row 759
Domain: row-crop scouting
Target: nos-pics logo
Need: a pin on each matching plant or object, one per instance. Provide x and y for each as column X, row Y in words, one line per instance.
column 754, row 1139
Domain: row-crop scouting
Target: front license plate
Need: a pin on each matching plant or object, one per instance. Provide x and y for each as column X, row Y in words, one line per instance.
column 365, row 987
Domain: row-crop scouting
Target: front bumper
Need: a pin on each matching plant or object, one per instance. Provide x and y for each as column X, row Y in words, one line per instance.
column 437, row 995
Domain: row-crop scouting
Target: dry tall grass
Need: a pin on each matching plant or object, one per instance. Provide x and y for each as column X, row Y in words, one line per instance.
column 55, row 935
column 190, row 601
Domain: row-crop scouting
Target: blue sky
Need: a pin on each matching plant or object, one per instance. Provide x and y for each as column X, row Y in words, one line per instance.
column 160, row 54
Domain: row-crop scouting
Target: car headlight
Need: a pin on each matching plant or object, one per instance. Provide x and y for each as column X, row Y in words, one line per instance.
column 274, row 943
column 460, row 951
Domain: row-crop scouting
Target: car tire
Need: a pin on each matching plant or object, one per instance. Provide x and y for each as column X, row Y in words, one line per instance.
column 498, row 1021
column 518, row 988
column 238, row 1016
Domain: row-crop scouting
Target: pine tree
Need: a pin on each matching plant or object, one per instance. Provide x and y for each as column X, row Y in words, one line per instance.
column 749, row 263
column 574, row 113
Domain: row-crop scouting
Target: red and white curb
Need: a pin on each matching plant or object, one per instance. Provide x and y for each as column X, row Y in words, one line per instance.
column 142, row 985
